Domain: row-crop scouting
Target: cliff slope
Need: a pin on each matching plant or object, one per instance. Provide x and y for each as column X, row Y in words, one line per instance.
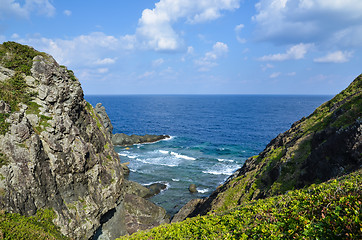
column 57, row 156
column 325, row 145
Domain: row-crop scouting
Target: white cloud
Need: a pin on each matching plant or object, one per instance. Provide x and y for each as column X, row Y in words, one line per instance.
column 275, row 75
column 295, row 52
column 102, row 70
column 267, row 66
column 155, row 27
column 105, row 61
column 93, row 49
column 209, row 60
column 291, row 74
column 15, row 36
column 13, row 8
column 190, row 50
column 67, row 12
column 321, row 21
column 158, row 62
column 335, row 57
column 238, row 29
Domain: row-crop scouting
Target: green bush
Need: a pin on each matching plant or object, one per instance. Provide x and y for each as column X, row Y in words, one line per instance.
column 15, row 226
column 331, row 210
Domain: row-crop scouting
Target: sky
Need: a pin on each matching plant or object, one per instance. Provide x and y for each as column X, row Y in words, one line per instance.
column 195, row 46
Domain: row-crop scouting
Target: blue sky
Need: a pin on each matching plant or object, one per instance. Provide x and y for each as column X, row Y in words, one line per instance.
column 195, row 46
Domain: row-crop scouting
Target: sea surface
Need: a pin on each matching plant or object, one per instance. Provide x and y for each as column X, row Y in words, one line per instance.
column 212, row 136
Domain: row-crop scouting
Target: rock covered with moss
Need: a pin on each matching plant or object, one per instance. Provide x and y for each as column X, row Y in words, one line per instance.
column 325, row 145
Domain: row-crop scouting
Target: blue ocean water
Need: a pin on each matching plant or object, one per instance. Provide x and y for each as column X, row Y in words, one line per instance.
column 212, row 136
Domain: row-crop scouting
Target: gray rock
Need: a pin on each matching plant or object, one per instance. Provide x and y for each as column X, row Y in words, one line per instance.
column 192, row 188
column 4, row 107
column 186, row 210
column 122, row 139
column 101, row 111
column 155, row 188
column 58, row 157
column 136, row 189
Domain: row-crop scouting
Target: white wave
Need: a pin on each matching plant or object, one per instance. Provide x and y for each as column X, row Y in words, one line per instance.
column 163, row 151
column 222, row 171
column 162, row 182
column 156, row 162
column 180, row 156
column 175, row 179
column 127, row 154
column 205, row 190
column 123, row 154
column 225, row 160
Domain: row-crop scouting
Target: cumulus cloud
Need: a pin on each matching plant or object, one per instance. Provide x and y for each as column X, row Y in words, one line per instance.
column 321, row 21
column 21, row 9
column 155, row 27
column 335, row 57
column 93, row 49
column 295, row 52
column 238, row 29
column 209, row 60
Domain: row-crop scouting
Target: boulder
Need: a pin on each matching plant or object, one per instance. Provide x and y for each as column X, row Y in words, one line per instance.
column 192, row 188
column 186, row 210
column 155, row 189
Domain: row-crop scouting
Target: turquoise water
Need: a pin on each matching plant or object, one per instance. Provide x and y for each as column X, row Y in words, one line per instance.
column 212, row 136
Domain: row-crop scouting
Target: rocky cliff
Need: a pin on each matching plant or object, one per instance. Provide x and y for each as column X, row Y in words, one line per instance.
column 55, row 152
column 325, row 145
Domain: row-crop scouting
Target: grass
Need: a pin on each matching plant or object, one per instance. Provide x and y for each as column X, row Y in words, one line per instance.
column 332, row 210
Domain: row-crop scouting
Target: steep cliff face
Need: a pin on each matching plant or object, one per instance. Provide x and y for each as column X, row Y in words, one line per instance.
column 315, row 149
column 54, row 151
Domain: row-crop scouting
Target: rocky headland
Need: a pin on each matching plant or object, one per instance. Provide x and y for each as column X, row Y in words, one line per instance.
column 56, row 153
column 121, row 139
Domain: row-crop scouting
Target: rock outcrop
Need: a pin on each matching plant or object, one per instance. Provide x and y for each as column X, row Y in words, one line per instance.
column 55, row 152
column 101, row 111
column 122, row 139
column 325, row 145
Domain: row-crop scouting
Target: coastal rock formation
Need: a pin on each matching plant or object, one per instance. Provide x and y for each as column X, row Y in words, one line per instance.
column 101, row 111
column 55, row 152
column 122, row 139
column 325, row 145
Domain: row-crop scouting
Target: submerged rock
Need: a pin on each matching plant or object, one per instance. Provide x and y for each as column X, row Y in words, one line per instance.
column 192, row 188
column 155, row 188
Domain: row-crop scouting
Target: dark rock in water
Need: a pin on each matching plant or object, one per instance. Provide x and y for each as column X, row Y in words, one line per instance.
column 186, row 210
column 122, row 139
column 192, row 188
column 101, row 111
column 155, row 189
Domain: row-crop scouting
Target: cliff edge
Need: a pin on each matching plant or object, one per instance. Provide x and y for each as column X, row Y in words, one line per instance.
column 56, row 154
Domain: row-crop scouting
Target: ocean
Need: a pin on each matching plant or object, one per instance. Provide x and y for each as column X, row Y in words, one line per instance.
column 211, row 136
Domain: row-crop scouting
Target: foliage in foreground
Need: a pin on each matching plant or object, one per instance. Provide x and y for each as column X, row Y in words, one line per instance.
column 16, row 226
column 330, row 210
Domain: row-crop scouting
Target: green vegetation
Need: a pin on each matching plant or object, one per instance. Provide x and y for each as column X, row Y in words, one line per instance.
column 15, row 226
column 332, row 210
column 13, row 91
column 3, row 159
column 18, row 57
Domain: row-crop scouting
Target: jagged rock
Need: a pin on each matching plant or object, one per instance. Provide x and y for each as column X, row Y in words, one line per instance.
column 101, row 111
column 154, row 189
column 137, row 189
column 4, row 107
column 186, row 210
column 55, row 153
column 141, row 214
column 122, row 139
